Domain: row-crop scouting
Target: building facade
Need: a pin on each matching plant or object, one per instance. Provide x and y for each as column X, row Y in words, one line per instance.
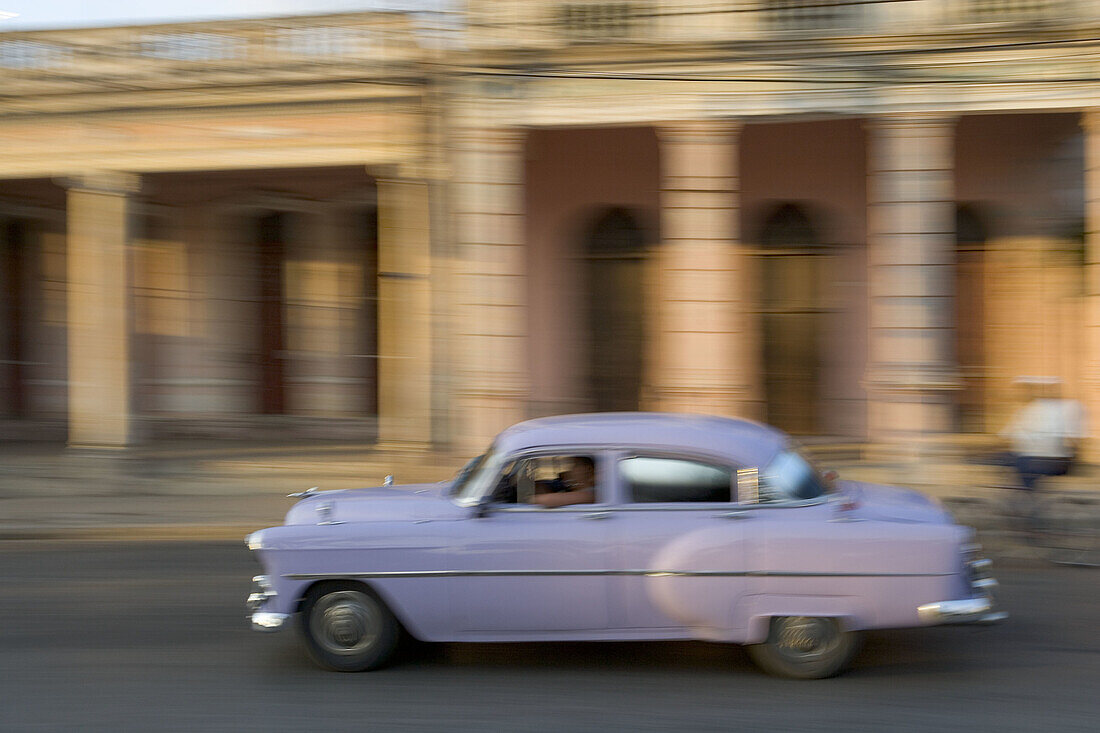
column 862, row 221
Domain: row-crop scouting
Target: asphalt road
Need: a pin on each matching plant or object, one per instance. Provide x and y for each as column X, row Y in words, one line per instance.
column 152, row 637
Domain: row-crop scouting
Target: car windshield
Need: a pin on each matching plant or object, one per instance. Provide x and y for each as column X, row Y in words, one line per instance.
column 472, row 481
column 790, row 477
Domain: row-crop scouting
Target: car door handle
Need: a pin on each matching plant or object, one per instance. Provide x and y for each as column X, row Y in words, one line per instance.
column 596, row 515
column 736, row 514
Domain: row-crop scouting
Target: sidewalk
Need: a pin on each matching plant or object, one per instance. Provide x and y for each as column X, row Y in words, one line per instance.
column 220, row 490
column 202, row 491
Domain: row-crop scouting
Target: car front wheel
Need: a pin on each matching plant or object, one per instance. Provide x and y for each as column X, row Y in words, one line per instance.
column 348, row 629
column 805, row 647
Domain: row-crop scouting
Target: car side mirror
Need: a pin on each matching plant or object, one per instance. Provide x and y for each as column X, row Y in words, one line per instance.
column 483, row 508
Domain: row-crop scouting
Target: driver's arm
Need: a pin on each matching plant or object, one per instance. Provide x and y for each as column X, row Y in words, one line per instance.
column 564, row 498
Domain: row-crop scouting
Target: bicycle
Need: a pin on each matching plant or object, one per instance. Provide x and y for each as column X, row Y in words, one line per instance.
column 1062, row 527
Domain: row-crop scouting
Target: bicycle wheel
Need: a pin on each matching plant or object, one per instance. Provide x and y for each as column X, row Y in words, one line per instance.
column 1070, row 534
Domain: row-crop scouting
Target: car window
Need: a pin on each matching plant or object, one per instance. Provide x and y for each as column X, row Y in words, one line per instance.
column 790, row 477
column 473, row 480
column 529, row 479
column 653, row 479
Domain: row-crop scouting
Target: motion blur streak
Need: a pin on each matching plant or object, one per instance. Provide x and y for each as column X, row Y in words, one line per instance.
column 241, row 258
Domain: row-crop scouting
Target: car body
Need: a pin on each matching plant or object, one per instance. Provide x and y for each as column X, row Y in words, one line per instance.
column 701, row 528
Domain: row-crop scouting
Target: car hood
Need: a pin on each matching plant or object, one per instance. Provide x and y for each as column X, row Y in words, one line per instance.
column 891, row 504
column 413, row 502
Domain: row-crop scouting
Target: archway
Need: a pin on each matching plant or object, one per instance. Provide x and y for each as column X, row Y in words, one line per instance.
column 614, row 264
column 793, row 268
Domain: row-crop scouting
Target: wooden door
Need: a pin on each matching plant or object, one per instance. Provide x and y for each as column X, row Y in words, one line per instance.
column 614, row 267
column 272, row 356
column 13, row 281
column 793, row 316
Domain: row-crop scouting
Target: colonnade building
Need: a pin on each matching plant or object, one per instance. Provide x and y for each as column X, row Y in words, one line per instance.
column 862, row 221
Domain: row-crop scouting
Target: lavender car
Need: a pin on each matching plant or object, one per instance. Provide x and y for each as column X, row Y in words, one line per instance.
column 663, row 527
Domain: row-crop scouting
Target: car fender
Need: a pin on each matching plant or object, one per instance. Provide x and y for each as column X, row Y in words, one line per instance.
column 851, row 611
column 699, row 578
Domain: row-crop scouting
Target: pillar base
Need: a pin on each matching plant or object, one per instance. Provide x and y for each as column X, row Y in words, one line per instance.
column 404, row 446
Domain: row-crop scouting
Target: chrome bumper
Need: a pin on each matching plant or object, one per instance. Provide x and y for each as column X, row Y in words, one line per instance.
column 980, row 608
column 964, row 611
column 262, row 592
column 268, row 622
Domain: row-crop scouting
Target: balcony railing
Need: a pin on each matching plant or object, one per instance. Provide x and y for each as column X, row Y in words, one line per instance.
column 810, row 15
column 604, row 21
column 364, row 43
column 996, row 11
column 547, row 24
column 346, row 43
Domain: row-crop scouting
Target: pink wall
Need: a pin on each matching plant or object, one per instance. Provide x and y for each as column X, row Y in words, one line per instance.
column 1025, row 168
column 572, row 175
column 1024, row 172
column 821, row 165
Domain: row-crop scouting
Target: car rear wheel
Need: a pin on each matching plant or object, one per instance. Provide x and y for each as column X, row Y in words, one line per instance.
column 348, row 629
column 805, row 648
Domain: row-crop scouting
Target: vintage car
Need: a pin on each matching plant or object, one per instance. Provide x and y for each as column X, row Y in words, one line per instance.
column 663, row 527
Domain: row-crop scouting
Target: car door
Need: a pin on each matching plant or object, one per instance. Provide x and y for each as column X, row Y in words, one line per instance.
column 531, row 572
column 680, row 541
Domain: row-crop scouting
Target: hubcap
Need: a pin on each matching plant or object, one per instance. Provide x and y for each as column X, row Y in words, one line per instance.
column 345, row 622
column 804, row 639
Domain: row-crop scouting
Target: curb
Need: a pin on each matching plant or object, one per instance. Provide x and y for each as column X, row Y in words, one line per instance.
column 135, row 533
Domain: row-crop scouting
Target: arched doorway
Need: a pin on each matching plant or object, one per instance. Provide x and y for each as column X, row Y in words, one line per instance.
column 970, row 304
column 614, row 263
column 793, row 265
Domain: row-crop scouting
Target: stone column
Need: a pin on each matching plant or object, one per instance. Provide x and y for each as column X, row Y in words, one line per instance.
column 703, row 361
column 491, row 353
column 1090, row 120
column 404, row 313
column 912, row 371
column 99, row 311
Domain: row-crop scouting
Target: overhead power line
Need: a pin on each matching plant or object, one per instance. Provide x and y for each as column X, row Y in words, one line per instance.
column 764, row 79
column 756, row 8
column 754, row 53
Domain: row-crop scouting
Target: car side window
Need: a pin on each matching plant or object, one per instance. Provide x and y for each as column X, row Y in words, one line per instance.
column 653, row 479
column 549, row 480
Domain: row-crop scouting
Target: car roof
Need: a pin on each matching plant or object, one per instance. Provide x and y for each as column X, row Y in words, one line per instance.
column 742, row 441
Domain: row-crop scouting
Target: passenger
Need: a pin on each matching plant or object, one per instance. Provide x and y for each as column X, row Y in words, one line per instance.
column 577, row 486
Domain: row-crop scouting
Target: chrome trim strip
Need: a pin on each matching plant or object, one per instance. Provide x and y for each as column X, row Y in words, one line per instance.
column 981, row 568
column 984, row 584
column 533, row 509
column 686, row 506
column 644, row 573
column 712, row 505
column 311, row 491
column 262, row 592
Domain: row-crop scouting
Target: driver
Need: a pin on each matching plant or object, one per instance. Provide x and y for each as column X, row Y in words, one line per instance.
column 578, row 486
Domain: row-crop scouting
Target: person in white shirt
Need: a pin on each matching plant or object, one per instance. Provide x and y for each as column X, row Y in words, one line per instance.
column 1046, row 432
